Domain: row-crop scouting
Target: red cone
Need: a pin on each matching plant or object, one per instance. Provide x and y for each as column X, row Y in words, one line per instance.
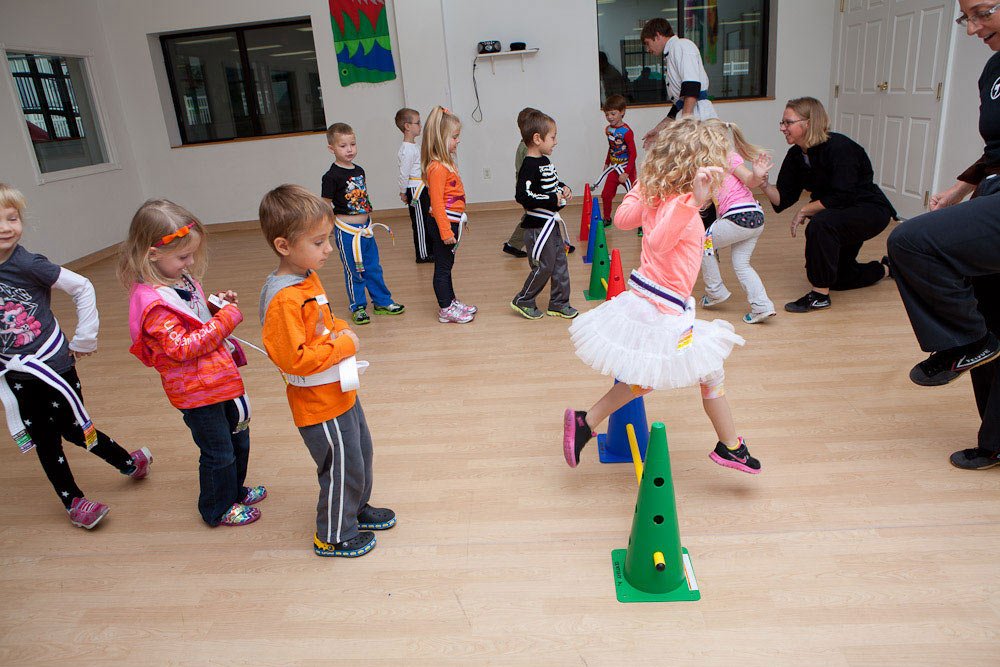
column 616, row 280
column 585, row 216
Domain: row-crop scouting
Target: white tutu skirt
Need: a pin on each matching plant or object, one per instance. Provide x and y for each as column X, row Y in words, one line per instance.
column 630, row 339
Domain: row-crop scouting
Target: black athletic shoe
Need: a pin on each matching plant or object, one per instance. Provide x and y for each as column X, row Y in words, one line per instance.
column 376, row 518
column 943, row 367
column 737, row 459
column 511, row 250
column 888, row 266
column 352, row 548
column 975, row 459
column 576, row 434
column 811, row 301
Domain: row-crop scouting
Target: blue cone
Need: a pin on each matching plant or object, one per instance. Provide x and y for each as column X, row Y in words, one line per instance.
column 613, row 446
column 595, row 219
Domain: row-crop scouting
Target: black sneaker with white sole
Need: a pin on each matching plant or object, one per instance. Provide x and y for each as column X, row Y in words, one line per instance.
column 811, row 301
column 942, row 367
column 975, row 459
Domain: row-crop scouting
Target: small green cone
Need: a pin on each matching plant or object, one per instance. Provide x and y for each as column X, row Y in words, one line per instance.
column 600, row 268
column 655, row 541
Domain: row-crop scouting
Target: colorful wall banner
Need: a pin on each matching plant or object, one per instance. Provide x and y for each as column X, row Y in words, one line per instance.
column 361, row 37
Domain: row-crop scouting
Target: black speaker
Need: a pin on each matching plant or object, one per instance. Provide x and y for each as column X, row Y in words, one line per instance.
column 517, row 46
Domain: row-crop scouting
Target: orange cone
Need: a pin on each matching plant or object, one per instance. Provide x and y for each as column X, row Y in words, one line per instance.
column 585, row 215
column 616, row 279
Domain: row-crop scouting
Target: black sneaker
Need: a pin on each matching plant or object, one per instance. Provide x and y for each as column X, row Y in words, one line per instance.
column 352, row 548
column 888, row 266
column 360, row 316
column 376, row 518
column 576, row 434
column 943, row 367
column 737, row 459
column 392, row 309
column 975, row 459
column 811, row 301
column 511, row 250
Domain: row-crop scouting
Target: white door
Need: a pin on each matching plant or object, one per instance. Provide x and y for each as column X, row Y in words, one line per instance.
column 891, row 62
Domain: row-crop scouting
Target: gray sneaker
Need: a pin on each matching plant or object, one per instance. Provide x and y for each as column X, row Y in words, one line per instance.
column 567, row 312
column 527, row 311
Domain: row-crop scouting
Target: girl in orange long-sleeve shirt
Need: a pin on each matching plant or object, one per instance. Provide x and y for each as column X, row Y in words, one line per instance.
column 442, row 135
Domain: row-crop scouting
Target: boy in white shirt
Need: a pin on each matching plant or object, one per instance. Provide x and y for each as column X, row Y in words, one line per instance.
column 411, row 188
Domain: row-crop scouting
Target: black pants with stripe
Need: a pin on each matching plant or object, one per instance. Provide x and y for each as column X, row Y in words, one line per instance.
column 49, row 420
column 421, row 221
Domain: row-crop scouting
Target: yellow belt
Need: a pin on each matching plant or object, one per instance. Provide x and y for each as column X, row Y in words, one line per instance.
column 367, row 230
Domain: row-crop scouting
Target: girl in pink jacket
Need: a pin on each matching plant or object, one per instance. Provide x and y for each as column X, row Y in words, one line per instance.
column 178, row 332
column 648, row 337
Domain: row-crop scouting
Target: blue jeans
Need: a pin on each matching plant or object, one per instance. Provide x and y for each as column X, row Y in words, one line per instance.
column 222, row 466
column 357, row 281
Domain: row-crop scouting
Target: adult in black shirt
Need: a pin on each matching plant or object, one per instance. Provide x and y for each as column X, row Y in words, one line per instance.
column 947, row 263
column 845, row 206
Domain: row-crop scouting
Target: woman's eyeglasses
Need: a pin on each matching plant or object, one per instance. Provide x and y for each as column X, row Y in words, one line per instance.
column 977, row 17
column 786, row 123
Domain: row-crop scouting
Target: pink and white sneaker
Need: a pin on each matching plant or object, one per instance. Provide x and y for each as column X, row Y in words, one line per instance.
column 141, row 459
column 469, row 308
column 455, row 313
column 85, row 513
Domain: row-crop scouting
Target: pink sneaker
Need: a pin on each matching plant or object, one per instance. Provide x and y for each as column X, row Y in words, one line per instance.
column 85, row 513
column 239, row 515
column 454, row 313
column 141, row 459
column 472, row 310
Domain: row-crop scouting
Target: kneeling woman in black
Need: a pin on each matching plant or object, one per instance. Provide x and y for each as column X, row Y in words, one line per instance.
column 846, row 208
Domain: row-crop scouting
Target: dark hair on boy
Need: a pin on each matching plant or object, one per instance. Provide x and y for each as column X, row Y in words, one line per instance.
column 335, row 129
column 523, row 114
column 615, row 103
column 654, row 27
column 288, row 211
column 404, row 116
column 536, row 123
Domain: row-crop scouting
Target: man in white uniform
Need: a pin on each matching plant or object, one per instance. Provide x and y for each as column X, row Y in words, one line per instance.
column 687, row 81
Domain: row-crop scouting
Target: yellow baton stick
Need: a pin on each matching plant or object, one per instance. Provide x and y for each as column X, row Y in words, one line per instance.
column 633, row 445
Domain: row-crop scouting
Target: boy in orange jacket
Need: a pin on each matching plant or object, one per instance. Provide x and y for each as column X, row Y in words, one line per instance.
column 307, row 343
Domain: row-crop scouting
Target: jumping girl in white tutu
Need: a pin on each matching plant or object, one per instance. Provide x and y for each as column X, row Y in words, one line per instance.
column 648, row 337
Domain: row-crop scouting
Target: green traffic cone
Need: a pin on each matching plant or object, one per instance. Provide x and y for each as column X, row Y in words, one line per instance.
column 655, row 567
column 599, row 268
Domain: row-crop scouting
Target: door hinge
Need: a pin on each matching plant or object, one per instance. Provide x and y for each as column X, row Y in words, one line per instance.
column 940, row 90
column 927, row 197
column 836, row 91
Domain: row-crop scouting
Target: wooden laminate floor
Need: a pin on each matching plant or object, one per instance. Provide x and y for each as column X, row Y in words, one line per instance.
column 858, row 545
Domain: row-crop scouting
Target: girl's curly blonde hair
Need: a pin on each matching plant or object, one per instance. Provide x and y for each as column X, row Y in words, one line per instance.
column 679, row 150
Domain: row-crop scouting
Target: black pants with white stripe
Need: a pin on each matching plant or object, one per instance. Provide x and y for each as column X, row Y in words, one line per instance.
column 420, row 220
column 342, row 449
column 49, row 419
column 551, row 266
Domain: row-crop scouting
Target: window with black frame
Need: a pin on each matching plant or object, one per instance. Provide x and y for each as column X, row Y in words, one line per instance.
column 248, row 81
column 731, row 34
column 58, row 109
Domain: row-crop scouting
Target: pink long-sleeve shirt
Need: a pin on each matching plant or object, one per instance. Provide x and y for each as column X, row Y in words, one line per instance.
column 672, row 239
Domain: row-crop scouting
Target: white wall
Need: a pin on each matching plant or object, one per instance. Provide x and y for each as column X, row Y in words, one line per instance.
column 225, row 182
column 562, row 80
column 66, row 219
column 960, row 143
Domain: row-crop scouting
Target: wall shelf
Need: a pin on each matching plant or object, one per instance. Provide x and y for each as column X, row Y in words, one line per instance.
column 500, row 54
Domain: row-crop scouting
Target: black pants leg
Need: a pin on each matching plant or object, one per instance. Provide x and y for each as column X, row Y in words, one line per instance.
column 49, row 419
column 934, row 257
column 444, row 260
column 986, row 379
column 419, row 219
column 833, row 239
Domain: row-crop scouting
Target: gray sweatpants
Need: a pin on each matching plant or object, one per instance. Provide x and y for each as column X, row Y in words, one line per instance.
column 551, row 264
column 342, row 449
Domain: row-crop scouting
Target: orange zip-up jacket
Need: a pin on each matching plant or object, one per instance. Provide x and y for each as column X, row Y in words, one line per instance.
column 293, row 336
column 446, row 191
